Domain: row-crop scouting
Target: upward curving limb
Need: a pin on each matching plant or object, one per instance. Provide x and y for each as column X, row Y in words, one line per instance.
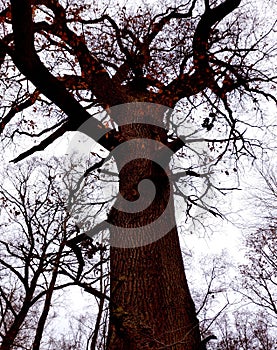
column 30, row 65
column 28, row 62
column 188, row 84
column 107, row 91
column 202, row 33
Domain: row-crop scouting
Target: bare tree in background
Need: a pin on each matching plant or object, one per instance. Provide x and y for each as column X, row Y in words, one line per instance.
column 211, row 59
column 245, row 329
column 259, row 274
column 37, row 255
column 252, row 324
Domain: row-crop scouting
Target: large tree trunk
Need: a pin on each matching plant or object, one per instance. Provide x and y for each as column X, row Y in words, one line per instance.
column 151, row 306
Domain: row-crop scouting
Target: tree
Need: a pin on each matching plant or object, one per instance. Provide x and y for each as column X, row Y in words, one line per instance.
column 247, row 330
column 62, row 58
column 258, row 274
column 37, row 257
column 252, row 324
column 259, row 280
column 236, row 323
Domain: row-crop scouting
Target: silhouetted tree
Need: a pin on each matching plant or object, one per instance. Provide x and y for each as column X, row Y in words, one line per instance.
column 59, row 59
column 37, row 258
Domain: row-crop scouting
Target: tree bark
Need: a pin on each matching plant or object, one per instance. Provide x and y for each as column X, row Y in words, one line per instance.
column 151, row 306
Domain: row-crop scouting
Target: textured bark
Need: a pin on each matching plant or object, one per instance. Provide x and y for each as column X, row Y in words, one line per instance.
column 152, row 307
column 151, row 304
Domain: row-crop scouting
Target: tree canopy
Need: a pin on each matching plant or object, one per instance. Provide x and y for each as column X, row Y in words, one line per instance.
column 68, row 66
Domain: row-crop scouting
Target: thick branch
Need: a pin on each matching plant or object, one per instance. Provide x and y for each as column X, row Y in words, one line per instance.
column 107, row 91
column 202, row 32
column 43, row 144
column 29, row 64
column 187, row 85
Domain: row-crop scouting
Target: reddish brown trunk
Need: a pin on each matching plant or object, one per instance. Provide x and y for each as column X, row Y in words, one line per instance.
column 151, row 306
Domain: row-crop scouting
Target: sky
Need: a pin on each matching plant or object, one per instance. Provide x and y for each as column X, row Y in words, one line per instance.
column 221, row 235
